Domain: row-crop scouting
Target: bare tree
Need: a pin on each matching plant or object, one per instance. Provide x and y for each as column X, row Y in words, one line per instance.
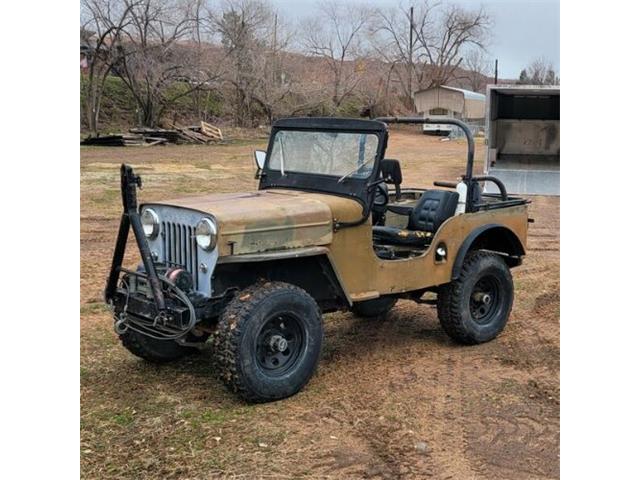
column 156, row 55
column 277, row 88
column 428, row 41
column 336, row 36
column 102, row 26
column 539, row 72
column 374, row 91
column 478, row 69
column 261, row 72
column 242, row 27
column 393, row 39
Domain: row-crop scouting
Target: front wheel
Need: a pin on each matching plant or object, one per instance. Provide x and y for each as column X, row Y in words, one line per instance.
column 475, row 307
column 268, row 341
column 154, row 350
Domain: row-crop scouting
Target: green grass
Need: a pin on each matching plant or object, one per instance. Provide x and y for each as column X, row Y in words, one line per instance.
column 93, row 308
column 123, row 419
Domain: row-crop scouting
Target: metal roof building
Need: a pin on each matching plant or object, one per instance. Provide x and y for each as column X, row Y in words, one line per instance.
column 451, row 101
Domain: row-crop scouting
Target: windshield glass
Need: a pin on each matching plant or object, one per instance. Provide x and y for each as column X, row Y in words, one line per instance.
column 337, row 154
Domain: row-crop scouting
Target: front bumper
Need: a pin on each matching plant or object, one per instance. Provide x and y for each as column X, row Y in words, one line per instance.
column 134, row 308
column 146, row 301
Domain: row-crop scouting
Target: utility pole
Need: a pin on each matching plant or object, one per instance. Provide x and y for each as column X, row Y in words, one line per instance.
column 495, row 78
column 410, row 55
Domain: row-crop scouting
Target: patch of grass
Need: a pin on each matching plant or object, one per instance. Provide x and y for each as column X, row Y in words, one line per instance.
column 239, row 142
column 218, row 416
column 106, row 197
column 209, row 417
column 124, row 418
column 102, row 342
column 93, row 308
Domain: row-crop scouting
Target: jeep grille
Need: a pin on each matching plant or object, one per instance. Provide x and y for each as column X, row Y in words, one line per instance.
column 180, row 249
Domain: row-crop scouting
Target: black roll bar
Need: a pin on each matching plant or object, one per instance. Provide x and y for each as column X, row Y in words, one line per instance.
column 468, row 177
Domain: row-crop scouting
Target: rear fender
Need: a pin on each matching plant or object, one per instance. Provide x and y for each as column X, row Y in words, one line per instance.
column 495, row 238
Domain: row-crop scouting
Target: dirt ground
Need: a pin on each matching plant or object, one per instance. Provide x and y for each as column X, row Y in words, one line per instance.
column 392, row 398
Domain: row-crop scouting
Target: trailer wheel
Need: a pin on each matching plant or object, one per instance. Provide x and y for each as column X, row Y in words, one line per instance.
column 268, row 341
column 374, row 308
column 153, row 350
column 475, row 307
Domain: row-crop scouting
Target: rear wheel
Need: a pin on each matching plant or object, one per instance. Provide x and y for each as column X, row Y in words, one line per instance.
column 374, row 308
column 475, row 307
column 268, row 341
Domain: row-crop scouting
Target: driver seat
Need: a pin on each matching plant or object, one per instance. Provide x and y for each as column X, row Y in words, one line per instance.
column 431, row 211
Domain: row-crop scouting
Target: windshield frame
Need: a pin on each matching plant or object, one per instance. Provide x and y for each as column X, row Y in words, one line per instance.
column 354, row 187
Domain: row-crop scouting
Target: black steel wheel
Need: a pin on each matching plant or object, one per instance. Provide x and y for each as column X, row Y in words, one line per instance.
column 268, row 341
column 485, row 299
column 279, row 344
column 475, row 307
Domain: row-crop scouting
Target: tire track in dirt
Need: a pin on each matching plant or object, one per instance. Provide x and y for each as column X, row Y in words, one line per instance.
column 447, row 430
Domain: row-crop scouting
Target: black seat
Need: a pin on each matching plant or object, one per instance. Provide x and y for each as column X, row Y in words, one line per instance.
column 432, row 209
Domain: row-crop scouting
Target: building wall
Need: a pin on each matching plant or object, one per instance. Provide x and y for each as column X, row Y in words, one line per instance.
column 439, row 98
column 474, row 109
column 450, row 100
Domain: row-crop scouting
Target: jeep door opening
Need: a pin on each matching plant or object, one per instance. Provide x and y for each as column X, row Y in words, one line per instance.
column 331, row 227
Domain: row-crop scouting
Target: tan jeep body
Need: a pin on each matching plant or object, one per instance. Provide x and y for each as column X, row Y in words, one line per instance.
column 279, row 223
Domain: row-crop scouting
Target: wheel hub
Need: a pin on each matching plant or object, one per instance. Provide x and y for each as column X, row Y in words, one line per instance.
column 482, row 297
column 484, row 301
column 277, row 343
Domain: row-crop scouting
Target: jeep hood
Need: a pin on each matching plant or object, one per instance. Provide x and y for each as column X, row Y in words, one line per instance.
column 272, row 219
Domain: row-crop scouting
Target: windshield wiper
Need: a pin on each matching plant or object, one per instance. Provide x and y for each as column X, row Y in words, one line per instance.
column 341, row 179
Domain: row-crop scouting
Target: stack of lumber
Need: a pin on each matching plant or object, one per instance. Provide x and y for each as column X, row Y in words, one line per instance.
column 124, row 141
column 204, row 133
column 171, row 136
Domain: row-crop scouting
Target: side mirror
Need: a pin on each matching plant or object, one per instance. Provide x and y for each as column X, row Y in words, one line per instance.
column 261, row 157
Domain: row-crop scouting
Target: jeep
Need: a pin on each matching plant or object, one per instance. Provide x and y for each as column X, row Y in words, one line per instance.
column 331, row 227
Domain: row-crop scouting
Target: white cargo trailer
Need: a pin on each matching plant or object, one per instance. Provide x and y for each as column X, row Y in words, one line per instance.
column 522, row 132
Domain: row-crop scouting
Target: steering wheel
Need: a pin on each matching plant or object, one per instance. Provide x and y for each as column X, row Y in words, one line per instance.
column 381, row 198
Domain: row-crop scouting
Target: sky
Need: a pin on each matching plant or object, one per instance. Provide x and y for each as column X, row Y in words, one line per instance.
column 523, row 30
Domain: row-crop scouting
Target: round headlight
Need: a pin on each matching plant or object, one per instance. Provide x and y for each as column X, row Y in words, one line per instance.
column 150, row 223
column 206, row 234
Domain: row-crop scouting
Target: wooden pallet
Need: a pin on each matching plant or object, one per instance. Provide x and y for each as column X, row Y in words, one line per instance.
column 211, row 131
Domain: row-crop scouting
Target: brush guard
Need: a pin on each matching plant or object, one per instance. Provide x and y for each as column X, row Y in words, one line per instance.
column 143, row 301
